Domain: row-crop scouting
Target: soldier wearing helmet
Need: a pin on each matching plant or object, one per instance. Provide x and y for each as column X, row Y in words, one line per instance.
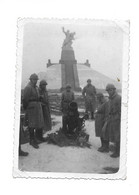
column 114, row 118
column 66, row 98
column 33, row 109
column 45, row 107
column 43, row 83
column 101, row 114
column 89, row 94
column 110, row 88
column 33, row 76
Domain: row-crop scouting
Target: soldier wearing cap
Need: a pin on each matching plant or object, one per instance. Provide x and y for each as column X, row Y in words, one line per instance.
column 32, row 106
column 89, row 94
column 114, row 118
column 45, row 106
column 101, row 115
column 66, row 99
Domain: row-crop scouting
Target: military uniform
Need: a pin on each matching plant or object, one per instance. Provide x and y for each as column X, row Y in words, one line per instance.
column 45, row 107
column 66, row 99
column 101, row 115
column 89, row 93
column 114, row 118
column 32, row 106
column 21, row 152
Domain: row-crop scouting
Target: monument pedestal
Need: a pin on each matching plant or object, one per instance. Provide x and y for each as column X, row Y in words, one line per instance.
column 69, row 69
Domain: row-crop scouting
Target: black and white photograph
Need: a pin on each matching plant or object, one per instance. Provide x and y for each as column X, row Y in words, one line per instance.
column 71, row 98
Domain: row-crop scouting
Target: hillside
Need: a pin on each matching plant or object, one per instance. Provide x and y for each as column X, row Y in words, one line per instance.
column 53, row 77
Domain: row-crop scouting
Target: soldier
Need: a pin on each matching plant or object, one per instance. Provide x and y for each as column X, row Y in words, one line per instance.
column 101, row 115
column 73, row 121
column 45, row 105
column 66, row 99
column 89, row 94
column 32, row 106
column 21, row 152
column 22, row 127
column 114, row 120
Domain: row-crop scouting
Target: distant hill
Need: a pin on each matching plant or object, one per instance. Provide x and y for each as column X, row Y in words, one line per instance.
column 53, row 77
column 99, row 80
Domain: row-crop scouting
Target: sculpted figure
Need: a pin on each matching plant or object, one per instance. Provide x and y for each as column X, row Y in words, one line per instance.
column 69, row 38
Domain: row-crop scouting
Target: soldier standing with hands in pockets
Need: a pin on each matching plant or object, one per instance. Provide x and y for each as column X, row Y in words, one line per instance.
column 45, row 105
column 66, row 99
column 89, row 94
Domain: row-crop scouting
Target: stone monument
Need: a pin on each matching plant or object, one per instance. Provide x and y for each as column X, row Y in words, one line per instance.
column 68, row 63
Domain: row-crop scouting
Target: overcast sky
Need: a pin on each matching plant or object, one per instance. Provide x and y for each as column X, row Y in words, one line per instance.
column 101, row 43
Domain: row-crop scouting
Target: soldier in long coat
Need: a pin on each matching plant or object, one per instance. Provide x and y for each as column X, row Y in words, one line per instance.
column 21, row 152
column 114, row 120
column 45, row 105
column 66, row 99
column 89, row 94
column 32, row 106
column 101, row 115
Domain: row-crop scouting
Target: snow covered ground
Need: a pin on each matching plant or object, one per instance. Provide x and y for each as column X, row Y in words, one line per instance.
column 52, row 158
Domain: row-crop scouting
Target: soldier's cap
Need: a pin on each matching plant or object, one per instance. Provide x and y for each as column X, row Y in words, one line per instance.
column 89, row 80
column 43, row 82
column 100, row 94
column 68, row 86
column 34, row 76
column 110, row 86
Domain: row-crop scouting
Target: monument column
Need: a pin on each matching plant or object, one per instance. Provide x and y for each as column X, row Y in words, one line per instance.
column 69, row 69
column 69, row 63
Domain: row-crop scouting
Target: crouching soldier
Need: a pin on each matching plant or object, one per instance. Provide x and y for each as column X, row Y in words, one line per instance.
column 101, row 115
column 114, row 120
column 45, row 105
column 73, row 120
column 33, row 109
column 66, row 99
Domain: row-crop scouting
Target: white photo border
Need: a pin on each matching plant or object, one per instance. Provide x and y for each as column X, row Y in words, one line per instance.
column 121, row 174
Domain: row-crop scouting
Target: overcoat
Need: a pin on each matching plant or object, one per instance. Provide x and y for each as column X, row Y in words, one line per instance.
column 101, row 116
column 114, row 120
column 46, row 109
column 32, row 106
column 66, row 99
column 89, row 93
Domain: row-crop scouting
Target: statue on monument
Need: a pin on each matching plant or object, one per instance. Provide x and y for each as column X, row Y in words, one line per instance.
column 68, row 62
column 68, row 40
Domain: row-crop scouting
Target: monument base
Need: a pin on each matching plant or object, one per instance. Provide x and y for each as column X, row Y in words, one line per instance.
column 76, row 89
